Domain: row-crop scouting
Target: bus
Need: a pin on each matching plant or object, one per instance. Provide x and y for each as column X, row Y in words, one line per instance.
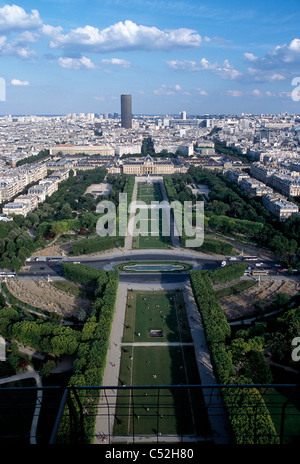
column 7, row 274
column 55, row 259
column 257, row 272
column 250, row 258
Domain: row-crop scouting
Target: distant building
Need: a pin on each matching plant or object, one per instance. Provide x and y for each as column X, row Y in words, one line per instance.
column 205, row 148
column 255, row 187
column 287, row 185
column 86, row 149
column 126, row 111
column 262, row 172
column 17, row 208
column 279, row 206
column 236, row 176
column 147, row 165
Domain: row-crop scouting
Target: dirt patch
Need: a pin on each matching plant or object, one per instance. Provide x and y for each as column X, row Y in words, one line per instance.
column 242, row 304
column 54, row 250
column 44, row 296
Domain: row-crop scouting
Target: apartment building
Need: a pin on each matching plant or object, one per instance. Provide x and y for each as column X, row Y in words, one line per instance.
column 17, row 207
column 236, row 176
column 255, row 187
column 262, row 172
column 286, row 184
column 13, row 181
column 279, row 206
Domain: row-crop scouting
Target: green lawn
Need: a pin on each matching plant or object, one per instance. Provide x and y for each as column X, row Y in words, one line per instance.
column 155, row 239
column 163, row 311
column 169, row 411
column 275, row 401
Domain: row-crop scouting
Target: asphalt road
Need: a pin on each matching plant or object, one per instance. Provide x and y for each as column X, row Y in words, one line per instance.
column 42, row 269
column 107, row 260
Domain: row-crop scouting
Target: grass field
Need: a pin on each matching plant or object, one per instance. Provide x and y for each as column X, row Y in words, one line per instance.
column 275, row 401
column 163, row 311
column 169, row 411
column 153, row 224
column 147, row 411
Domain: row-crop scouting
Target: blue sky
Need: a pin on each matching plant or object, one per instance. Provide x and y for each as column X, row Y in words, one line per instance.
column 62, row 56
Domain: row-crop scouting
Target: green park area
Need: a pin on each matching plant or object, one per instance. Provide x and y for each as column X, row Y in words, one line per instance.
column 163, row 312
column 150, row 220
column 169, row 363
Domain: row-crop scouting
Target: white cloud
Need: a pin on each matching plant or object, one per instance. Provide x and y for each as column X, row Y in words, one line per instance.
column 16, row 47
column 250, row 56
column 117, row 62
column 224, row 70
column 285, row 94
column 259, row 93
column 277, row 77
column 167, row 90
column 13, row 17
column 183, row 65
column 125, row 36
column 234, row 93
column 51, row 31
column 76, row 63
column 256, row 93
column 202, row 92
column 295, row 45
column 282, row 57
column 17, row 82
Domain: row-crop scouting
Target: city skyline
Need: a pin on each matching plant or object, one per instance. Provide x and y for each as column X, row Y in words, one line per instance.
column 58, row 56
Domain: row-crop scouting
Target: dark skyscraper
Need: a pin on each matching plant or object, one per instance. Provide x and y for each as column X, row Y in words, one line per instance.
column 126, row 111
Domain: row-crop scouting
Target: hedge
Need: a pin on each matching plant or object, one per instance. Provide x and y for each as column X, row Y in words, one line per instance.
column 91, row 362
column 248, row 415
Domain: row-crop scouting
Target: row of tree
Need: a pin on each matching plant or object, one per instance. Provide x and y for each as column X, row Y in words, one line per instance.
column 34, row 158
column 248, row 415
column 121, row 184
column 88, row 343
column 91, row 354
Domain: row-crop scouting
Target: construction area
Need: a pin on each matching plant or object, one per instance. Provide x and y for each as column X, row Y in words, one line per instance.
column 242, row 304
column 43, row 295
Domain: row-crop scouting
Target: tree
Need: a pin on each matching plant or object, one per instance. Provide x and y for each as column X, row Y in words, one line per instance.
column 66, row 212
column 47, row 368
column 87, row 220
column 58, row 228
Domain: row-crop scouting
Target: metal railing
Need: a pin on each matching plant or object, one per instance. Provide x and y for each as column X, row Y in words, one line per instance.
column 138, row 414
